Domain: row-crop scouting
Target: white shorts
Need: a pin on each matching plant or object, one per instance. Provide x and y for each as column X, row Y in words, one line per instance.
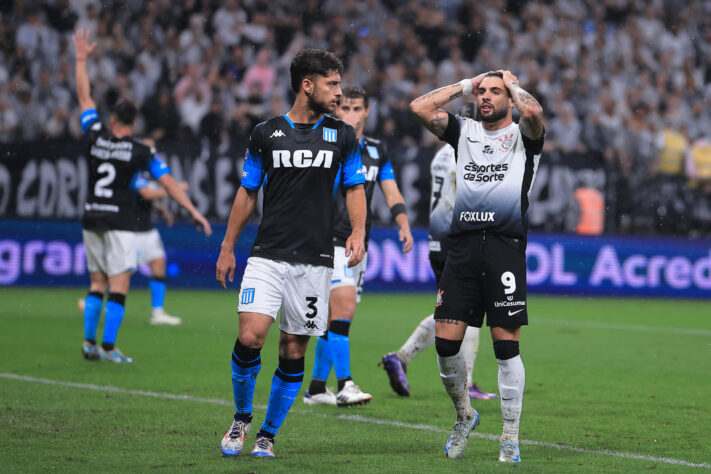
column 344, row 276
column 300, row 290
column 149, row 246
column 110, row 251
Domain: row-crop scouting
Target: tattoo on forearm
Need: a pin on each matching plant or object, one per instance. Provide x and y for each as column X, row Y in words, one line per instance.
column 438, row 124
column 523, row 98
column 532, row 127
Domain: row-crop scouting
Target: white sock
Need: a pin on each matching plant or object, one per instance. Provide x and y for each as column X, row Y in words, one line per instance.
column 454, row 377
column 512, row 379
column 470, row 346
column 421, row 338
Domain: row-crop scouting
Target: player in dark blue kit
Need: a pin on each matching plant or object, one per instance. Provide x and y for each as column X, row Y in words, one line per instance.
column 333, row 347
column 109, row 221
column 298, row 156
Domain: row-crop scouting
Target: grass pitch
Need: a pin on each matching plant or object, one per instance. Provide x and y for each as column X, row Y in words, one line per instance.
column 611, row 385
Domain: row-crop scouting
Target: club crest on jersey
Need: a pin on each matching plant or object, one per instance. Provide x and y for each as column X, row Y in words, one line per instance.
column 506, row 142
column 373, row 152
column 329, row 134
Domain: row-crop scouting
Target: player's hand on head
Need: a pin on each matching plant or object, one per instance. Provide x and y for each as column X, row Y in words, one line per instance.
column 508, row 77
column 476, row 81
column 225, row 268
column 82, row 46
column 406, row 238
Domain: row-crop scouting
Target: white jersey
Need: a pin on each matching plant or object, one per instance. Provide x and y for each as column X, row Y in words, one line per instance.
column 495, row 172
column 443, row 170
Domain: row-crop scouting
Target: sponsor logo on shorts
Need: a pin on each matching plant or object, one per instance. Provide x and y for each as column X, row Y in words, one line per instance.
column 310, row 325
column 509, row 304
column 247, row 296
column 469, row 216
column 440, row 294
column 511, row 313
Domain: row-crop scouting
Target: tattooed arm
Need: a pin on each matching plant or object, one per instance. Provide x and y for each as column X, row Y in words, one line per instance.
column 428, row 108
column 531, row 123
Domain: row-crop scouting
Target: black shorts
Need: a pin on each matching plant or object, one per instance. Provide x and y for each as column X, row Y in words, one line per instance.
column 484, row 273
column 437, row 260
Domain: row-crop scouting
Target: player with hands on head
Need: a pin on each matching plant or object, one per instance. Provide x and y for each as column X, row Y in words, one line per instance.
column 485, row 268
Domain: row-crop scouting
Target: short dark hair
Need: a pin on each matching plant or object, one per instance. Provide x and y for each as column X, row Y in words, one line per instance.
column 309, row 61
column 125, row 112
column 356, row 92
column 500, row 76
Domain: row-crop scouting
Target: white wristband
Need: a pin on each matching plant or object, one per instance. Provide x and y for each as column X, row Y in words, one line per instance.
column 466, row 86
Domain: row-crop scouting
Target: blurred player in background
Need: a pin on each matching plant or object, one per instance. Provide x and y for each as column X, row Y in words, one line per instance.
column 109, row 221
column 297, row 156
column 333, row 347
column 485, row 268
column 443, row 170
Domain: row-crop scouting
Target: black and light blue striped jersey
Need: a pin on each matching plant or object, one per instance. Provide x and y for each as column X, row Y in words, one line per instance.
column 495, row 173
column 113, row 163
column 298, row 165
column 443, row 172
column 376, row 168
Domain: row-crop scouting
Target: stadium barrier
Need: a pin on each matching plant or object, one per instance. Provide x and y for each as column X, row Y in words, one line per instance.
column 50, row 253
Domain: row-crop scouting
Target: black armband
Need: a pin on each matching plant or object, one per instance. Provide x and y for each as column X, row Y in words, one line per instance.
column 398, row 209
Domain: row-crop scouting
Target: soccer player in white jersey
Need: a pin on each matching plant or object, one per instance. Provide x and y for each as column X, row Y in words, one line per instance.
column 109, row 220
column 333, row 347
column 485, row 269
column 298, row 154
column 443, row 171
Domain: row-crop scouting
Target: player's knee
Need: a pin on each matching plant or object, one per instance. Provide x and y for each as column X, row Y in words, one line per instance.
column 447, row 347
column 505, row 350
column 251, row 339
column 343, row 305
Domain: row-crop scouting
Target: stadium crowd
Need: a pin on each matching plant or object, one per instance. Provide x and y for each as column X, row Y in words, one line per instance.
column 626, row 84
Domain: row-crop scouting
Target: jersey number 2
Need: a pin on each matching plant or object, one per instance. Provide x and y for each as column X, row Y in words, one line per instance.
column 101, row 188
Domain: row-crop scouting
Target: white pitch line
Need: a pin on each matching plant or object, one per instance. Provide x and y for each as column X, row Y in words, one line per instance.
column 355, row 418
column 624, row 327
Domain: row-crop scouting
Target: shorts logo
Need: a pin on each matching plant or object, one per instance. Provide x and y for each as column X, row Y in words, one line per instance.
column 329, row 134
column 439, row 298
column 310, row 325
column 247, row 296
column 347, row 271
column 511, row 313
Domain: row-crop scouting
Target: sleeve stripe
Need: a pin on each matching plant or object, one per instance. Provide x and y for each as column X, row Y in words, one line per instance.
column 88, row 117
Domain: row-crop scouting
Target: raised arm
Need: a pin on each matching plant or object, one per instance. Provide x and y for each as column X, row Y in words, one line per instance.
column 531, row 123
column 82, row 49
column 396, row 204
column 245, row 201
column 428, row 108
column 356, row 206
column 175, row 191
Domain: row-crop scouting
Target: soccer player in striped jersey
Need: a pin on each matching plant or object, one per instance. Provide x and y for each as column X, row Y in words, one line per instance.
column 297, row 157
column 109, row 220
column 333, row 347
column 485, row 269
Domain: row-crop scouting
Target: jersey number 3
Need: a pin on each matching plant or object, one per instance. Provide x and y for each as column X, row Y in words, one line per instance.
column 312, row 300
column 101, row 188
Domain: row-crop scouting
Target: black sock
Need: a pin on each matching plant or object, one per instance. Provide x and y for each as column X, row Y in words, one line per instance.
column 317, row 386
column 107, row 346
column 265, row 434
column 342, row 382
column 245, row 417
column 91, row 341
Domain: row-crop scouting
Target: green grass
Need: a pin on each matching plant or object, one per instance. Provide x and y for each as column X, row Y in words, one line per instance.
column 601, row 375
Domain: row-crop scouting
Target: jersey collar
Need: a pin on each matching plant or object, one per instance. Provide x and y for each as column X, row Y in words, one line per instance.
column 291, row 124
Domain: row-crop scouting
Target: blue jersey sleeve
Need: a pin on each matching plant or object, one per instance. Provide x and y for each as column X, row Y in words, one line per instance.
column 138, row 182
column 352, row 167
column 253, row 175
column 88, row 118
column 386, row 171
column 157, row 167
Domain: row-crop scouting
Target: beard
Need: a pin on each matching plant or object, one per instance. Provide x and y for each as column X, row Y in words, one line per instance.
column 318, row 106
column 494, row 116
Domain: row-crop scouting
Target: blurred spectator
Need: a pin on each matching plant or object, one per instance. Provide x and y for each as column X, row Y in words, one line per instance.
column 261, row 73
column 193, row 96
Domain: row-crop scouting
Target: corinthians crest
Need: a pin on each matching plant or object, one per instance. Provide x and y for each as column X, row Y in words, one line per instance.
column 506, row 142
